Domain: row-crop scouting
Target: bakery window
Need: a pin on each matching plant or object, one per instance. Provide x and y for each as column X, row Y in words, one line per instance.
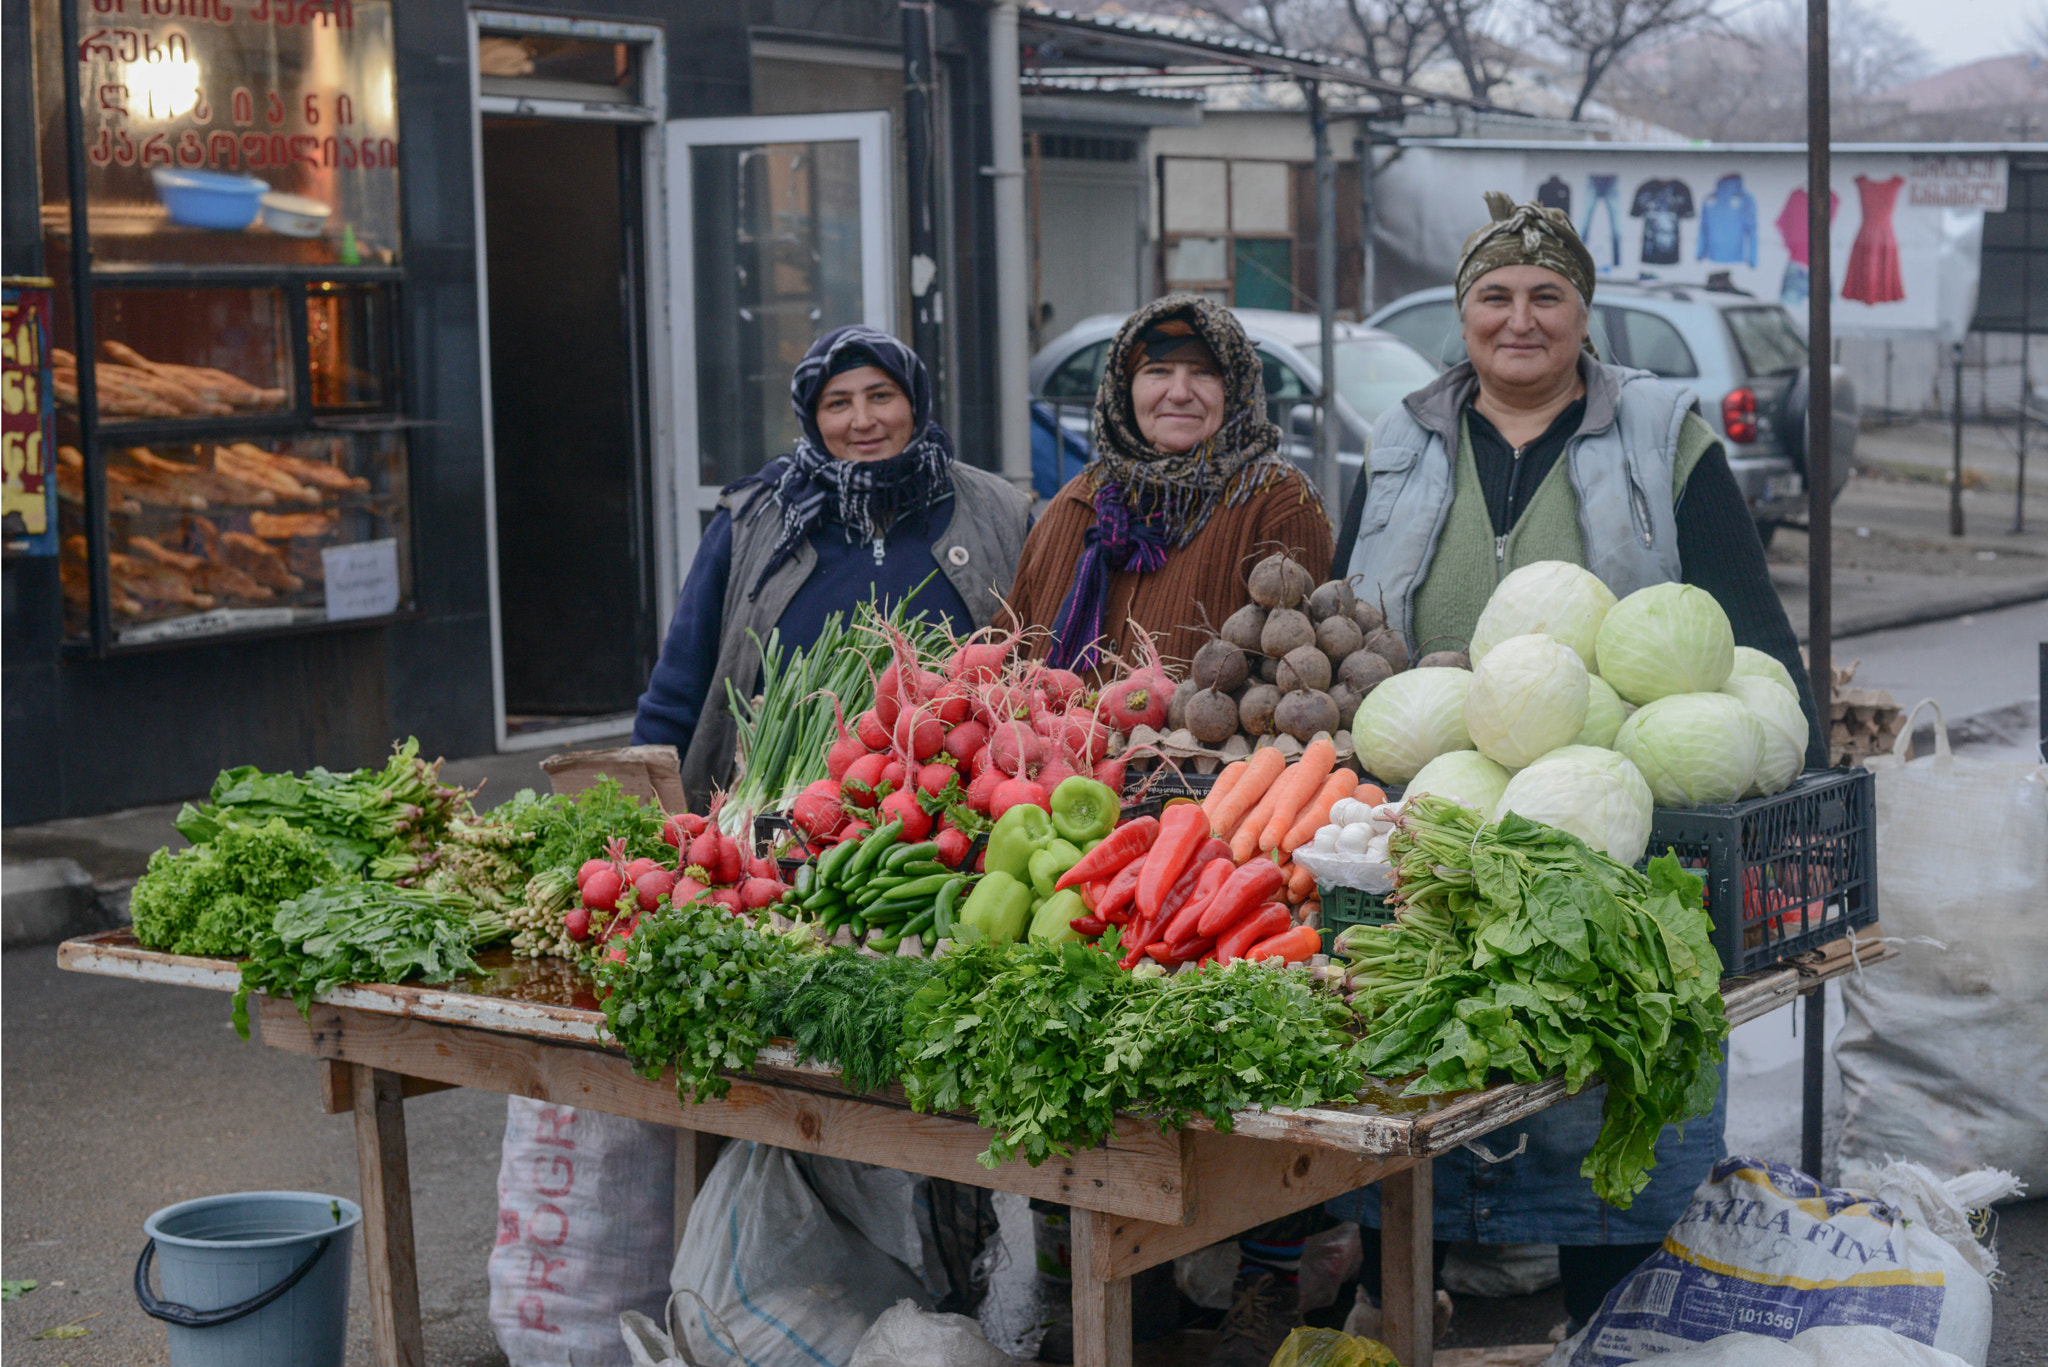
column 182, row 353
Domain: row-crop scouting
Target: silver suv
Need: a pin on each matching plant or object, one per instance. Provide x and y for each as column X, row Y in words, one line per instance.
column 1742, row 355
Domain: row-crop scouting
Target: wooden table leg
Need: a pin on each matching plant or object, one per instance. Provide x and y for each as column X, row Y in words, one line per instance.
column 1102, row 1305
column 1407, row 1265
column 387, row 1218
column 696, row 1151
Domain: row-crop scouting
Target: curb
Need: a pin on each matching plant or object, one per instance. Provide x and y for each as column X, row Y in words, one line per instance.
column 1987, row 601
column 47, row 901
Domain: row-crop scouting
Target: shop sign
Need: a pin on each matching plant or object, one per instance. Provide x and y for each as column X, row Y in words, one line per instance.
column 1957, row 183
column 28, row 451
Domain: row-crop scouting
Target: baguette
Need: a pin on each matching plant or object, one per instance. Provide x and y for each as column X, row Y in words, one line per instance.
column 258, row 559
column 78, row 586
column 235, row 461
column 164, row 555
column 284, row 526
column 229, row 581
column 210, row 484
column 180, row 397
column 217, row 385
column 151, row 489
column 71, row 489
column 151, row 581
column 316, row 472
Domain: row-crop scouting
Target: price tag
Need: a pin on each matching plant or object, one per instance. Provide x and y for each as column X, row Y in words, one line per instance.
column 362, row 580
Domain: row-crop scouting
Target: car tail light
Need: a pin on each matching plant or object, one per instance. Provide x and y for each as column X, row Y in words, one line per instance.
column 1738, row 415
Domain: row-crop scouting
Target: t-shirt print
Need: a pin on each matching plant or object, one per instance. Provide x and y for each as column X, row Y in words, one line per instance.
column 1660, row 204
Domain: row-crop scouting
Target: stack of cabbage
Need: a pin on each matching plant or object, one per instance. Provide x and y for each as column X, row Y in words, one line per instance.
column 1585, row 713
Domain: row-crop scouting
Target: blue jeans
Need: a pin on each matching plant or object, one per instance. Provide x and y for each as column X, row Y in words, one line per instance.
column 1603, row 192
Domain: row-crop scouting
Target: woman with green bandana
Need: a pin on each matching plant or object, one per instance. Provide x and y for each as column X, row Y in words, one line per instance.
column 1536, row 450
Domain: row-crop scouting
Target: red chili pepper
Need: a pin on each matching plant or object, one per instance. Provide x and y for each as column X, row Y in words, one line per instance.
column 1292, row 945
column 1258, row 881
column 1178, row 922
column 1182, row 829
column 1212, row 848
column 1090, row 926
column 1269, row 920
column 1185, row 950
column 1091, row 893
column 1116, row 899
column 1122, row 845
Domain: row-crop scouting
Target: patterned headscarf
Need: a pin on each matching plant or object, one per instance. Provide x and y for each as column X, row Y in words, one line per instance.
column 1148, row 501
column 864, row 497
column 1525, row 235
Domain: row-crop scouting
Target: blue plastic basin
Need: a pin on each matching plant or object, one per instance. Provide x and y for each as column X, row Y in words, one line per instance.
column 207, row 199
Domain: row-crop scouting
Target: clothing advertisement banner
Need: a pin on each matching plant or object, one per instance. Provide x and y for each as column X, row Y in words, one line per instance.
column 1904, row 240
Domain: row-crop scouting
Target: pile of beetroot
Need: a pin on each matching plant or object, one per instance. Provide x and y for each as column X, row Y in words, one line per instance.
column 947, row 750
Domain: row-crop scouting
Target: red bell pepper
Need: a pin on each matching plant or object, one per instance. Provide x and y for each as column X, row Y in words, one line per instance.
column 1115, row 906
column 1259, row 881
column 1294, row 945
column 1268, row 921
column 1182, row 829
column 1122, row 845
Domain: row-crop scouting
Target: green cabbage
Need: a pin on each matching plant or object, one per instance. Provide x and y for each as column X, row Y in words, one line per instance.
column 1782, row 722
column 1605, row 712
column 1753, row 663
column 1528, row 697
column 1665, row 639
column 1593, row 793
column 1554, row 597
column 1410, row 719
column 1694, row 748
column 1466, row 777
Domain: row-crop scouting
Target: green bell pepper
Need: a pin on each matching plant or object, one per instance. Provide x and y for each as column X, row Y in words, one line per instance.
column 1049, row 863
column 1052, row 921
column 1084, row 810
column 999, row 908
column 1021, row 832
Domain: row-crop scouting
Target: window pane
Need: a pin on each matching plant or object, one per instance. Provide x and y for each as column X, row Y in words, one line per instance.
column 1196, row 258
column 1373, row 374
column 181, row 353
column 1265, row 273
column 1654, row 345
column 1769, row 343
column 1077, row 377
column 548, row 66
column 1431, row 329
column 348, row 334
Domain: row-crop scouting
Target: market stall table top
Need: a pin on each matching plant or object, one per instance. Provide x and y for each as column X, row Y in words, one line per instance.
column 531, row 1028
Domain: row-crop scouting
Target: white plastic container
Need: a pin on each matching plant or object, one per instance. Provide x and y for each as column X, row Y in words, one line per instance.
column 294, row 215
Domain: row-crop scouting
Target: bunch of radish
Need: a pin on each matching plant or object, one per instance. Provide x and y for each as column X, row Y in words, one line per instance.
column 946, row 750
column 710, row 866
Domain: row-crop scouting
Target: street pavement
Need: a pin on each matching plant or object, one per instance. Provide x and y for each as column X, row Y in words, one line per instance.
column 120, row 1099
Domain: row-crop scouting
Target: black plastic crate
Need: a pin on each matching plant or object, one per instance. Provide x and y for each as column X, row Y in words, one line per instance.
column 1147, row 794
column 1784, row 873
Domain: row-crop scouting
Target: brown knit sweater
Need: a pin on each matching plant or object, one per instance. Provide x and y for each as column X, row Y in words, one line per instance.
column 1205, row 578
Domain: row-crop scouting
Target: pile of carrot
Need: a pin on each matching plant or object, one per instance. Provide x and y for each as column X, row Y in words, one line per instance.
column 1264, row 806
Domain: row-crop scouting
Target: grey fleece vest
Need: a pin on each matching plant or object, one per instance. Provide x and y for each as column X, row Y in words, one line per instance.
column 1619, row 463
column 978, row 553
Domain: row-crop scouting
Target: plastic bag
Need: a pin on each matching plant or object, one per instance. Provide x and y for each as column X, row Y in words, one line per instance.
column 1832, row 1346
column 1330, row 1348
column 907, row 1336
column 1764, row 1250
column 1942, row 1053
column 1328, row 1260
column 1500, row 1270
column 649, row 1345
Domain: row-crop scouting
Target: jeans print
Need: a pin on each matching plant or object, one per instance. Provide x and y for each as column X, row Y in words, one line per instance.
column 1792, row 293
column 1603, row 192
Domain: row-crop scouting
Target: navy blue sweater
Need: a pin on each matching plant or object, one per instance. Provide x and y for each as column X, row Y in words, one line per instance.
column 845, row 575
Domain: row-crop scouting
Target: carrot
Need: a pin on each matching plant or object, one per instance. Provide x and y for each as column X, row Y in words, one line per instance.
column 1371, row 794
column 1300, row 884
column 1259, row 772
column 1316, row 815
column 1312, row 913
column 1293, row 790
column 1232, row 775
column 1294, row 946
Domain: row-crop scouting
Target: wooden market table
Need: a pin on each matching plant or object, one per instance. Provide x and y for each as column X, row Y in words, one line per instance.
column 1140, row 1199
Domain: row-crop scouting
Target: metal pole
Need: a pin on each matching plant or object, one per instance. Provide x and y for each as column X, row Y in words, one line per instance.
column 2019, row 494
column 1820, row 489
column 1955, row 474
column 927, row 295
column 1368, row 298
column 1013, row 270
column 1326, row 300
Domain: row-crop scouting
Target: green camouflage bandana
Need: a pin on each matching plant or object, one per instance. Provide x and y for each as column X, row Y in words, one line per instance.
column 1525, row 235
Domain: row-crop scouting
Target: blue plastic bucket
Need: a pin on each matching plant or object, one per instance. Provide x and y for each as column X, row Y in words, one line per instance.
column 254, row 1279
column 208, row 199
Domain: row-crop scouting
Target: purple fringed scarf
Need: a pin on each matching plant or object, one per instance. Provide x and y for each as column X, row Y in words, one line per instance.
column 1121, row 541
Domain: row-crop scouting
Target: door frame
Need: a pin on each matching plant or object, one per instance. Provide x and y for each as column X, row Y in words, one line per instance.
column 649, row 109
column 872, row 131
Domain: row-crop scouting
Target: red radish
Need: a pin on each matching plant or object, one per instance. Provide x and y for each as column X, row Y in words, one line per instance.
column 686, row 891
column 651, row 887
column 933, row 779
column 979, row 661
column 925, row 685
column 672, row 833
column 703, row 851
column 841, row 756
column 638, row 867
column 1111, row 773
column 1083, row 735
column 919, row 734
column 617, row 954
column 1062, row 686
column 981, row 763
column 1015, row 792
column 981, row 861
column 863, row 778
column 1136, row 702
column 691, row 823
column 732, row 861
column 903, row 807
column 888, row 696
column 964, row 739
column 756, row 893
column 729, row 898
column 577, row 923
column 871, row 731
column 853, row 829
column 601, row 892
column 590, row 866
column 983, row 789
column 1015, row 749
column 761, row 866
column 817, row 811
column 895, row 776
column 1052, row 772
column 953, row 845
column 955, row 704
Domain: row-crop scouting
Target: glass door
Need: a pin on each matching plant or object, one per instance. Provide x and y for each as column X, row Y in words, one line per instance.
column 780, row 228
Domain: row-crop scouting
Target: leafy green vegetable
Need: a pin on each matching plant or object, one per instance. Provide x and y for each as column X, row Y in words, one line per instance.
column 846, row 1008
column 562, row 832
column 682, row 995
column 219, row 897
column 355, row 933
column 1519, row 950
column 14, row 1288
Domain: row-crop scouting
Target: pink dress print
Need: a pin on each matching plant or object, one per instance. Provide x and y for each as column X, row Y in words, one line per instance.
column 1873, row 276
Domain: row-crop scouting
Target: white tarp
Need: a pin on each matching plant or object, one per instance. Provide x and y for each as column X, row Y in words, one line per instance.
column 1905, row 238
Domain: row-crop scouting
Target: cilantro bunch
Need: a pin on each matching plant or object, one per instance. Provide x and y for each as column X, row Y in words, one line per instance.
column 218, row 898
column 1520, row 951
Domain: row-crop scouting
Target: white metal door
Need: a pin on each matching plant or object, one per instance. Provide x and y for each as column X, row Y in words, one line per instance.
column 780, row 230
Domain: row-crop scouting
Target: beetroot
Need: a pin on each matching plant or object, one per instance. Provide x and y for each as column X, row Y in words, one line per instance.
column 903, row 807
column 1015, row 792
column 982, row 790
column 577, row 923
column 816, row 811
column 601, row 891
column 863, row 778
column 964, row 740
column 953, row 846
column 590, row 866
column 756, row 893
column 650, row 887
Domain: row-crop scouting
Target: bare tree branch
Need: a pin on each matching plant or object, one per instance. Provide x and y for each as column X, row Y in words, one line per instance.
column 1598, row 32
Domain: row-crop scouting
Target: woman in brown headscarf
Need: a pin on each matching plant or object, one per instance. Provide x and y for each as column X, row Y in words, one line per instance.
column 1187, row 489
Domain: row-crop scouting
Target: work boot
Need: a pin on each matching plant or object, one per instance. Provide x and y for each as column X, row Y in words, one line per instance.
column 1263, row 1311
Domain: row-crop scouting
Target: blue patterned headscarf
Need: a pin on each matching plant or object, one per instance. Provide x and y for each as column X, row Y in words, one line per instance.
column 864, row 497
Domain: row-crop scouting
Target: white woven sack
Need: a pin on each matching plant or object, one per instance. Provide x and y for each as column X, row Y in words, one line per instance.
column 586, row 1224
column 1943, row 1053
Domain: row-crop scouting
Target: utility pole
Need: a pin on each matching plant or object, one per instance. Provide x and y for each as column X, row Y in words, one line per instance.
column 1820, row 506
column 1327, row 478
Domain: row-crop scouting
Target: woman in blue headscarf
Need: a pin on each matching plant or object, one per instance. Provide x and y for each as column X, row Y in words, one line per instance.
column 870, row 503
